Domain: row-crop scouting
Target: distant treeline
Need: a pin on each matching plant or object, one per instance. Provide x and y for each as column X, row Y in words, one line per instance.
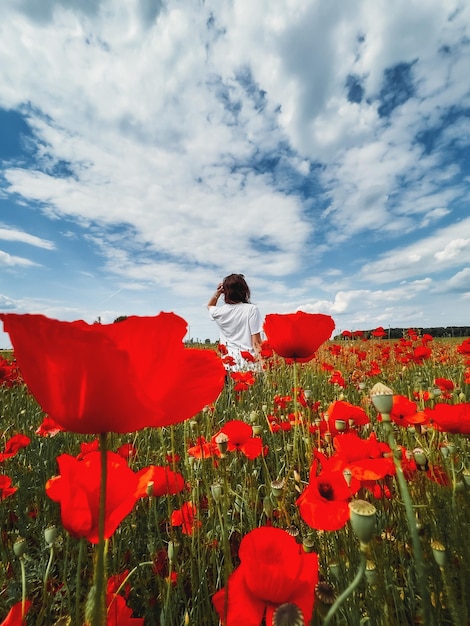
column 398, row 333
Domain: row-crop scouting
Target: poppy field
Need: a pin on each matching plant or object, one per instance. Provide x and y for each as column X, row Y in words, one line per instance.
column 140, row 484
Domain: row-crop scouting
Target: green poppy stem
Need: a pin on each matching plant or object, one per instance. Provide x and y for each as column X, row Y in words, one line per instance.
column 417, row 548
column 98, row 617
column 348, row 591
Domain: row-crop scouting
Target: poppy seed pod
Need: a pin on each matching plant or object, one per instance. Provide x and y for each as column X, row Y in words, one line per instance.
column 277, row 487
column 19, row 547
column 363, row 518
column 382, row 398
column 222, row 442
column 288, row 614
column 439, row 552
column 50, row 535
column 371, row 572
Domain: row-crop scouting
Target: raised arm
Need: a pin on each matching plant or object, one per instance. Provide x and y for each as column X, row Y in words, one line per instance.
column 216, row 296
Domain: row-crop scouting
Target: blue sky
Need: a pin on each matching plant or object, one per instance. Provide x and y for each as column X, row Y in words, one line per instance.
column 148, row 148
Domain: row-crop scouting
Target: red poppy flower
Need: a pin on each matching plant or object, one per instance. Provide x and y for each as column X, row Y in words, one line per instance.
column 464, row 347
column 405, row 412
column 323, row 505
column 420, row 354
column 116, row 377
column 48, row 428
column 344, row 412
column 5, row 487
column 378, row 332
column 13, row 445
column 243, row 380
column 298, row 335
column 164, row 481
column 114, row 583
column 337, row 379
column 444, row 384
column 186, row 517
column 274, row 570
column 363, row 457
column 341, row 410
column 127, row 451
column 9, row 374
column 240, row 437
column 203, row 449
column 248, row 356
column 77, row 490
column 451, row 418
column 88, row 446
column 119, row 614
column 15, row 614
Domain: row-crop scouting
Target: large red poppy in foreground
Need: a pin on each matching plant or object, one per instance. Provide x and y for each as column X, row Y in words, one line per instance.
column 274, row 570
column 298, row 335
column 117, row 377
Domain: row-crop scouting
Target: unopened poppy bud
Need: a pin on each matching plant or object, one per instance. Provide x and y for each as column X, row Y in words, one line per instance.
column 347, row 476
column 149, row 489
column 419, row 457
column 216, row 490
column 257, row 430
column 288, row 614
column 222, row 442
column 253, row 417
column 439, row 552
column 50, row 535
column 382, row 399
column 307, row 394
column 451, row 448
column 19, row 547
column 363, row 519
column 340, row 425
column 296, row 476
column 173, row 549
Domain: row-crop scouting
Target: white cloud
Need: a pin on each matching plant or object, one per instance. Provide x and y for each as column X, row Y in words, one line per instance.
column 9, row 260
column 452, row 250
column 443, row 250
column 10, row 234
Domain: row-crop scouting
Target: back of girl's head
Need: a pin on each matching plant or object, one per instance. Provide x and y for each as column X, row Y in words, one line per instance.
column 236, row 289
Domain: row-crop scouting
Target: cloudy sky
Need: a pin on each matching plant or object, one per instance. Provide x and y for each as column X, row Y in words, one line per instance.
column 150, row 147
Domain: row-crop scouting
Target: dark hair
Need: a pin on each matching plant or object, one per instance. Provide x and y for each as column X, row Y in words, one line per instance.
column 236, row 289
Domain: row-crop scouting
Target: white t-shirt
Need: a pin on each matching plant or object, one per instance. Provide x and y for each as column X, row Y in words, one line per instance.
column 237, row 323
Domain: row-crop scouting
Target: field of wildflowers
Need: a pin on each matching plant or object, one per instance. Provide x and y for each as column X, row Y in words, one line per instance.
column 138, row 486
